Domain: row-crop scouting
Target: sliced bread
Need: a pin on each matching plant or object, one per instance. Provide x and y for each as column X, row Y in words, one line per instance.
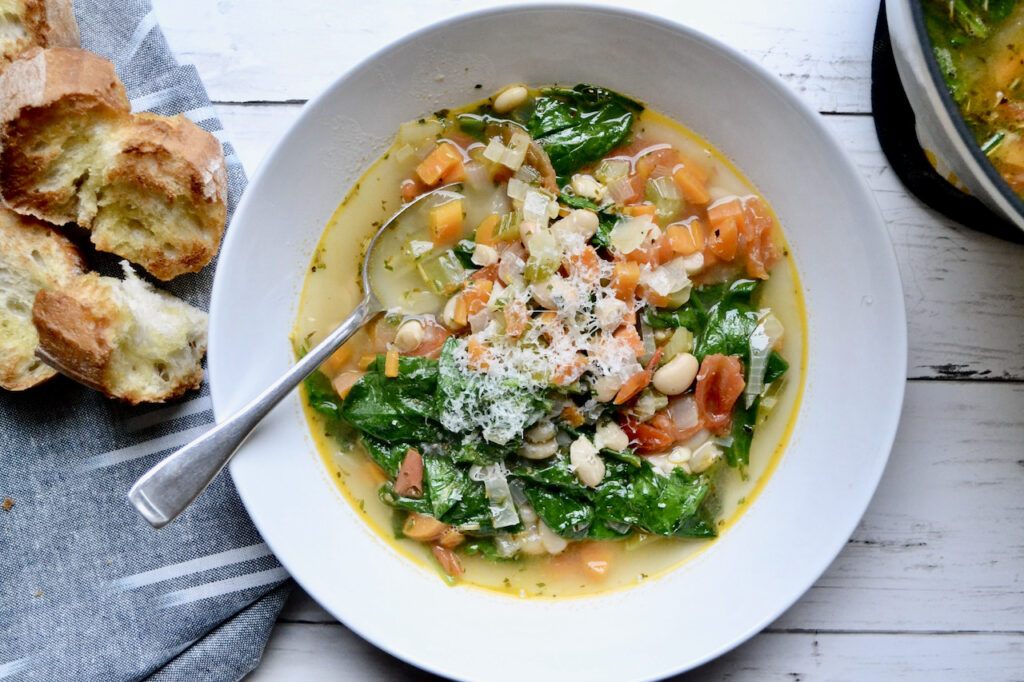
column 122, row 337
column 151, row 189
column 33, row 257
column 31, row 23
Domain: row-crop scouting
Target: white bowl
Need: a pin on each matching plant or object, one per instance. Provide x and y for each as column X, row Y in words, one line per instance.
column 854, row 378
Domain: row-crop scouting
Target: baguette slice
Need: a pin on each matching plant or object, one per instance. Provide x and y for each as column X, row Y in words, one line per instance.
column 30, row 23
column 122, row 337
column 58, row 109
column 33, row 257
column 151, row 189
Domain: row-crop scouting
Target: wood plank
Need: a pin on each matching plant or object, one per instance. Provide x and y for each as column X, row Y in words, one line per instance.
column 956, row 282
column 315, row 653
column 245, row 51
column 939, row 548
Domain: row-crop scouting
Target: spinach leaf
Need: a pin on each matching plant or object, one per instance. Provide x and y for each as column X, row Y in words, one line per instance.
column 567, row 515
column 776, row 367
column 388, row 456
column 486, row 548
column 445, row 482
column 322, row 396
column 730, row 323
column 473, row 511
column 579, row 126
column 693, row 314
column 388, row 496
column 473, row 450
column 600, row 530
column 700, row 525
column 743, row 420
column 668, row 500
column 463, row 250
column 398, row 408
column 574, row 201
column 555, row 473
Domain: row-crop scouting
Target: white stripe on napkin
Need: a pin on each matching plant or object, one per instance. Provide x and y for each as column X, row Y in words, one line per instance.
column 143, row 449
column 200, row 114
column 154, row 99
column 221, row 587
column 206, row 563
column 14, row 667
column 142, row 30
column 166, row 414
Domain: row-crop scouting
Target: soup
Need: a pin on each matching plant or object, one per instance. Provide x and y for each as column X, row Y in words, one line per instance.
column 592, row 354
column 978, row 45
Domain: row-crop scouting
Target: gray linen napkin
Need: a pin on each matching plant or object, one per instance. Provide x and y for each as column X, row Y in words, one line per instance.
column 88, row 591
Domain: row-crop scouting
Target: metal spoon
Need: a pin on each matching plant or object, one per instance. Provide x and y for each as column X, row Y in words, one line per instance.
column 169, row 487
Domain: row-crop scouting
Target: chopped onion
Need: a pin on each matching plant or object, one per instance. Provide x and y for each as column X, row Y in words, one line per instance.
column 535, row 207
column 515, row 152
column 760, row 349
column 647, row 338
column 683, row 411
column 404, row 153
column 629, row 234
column 495, row 150
column 417, row 248
column 499, row 497
column 527, row 174
column 506, row 545
column 621, row 190
column 477, row 175
column 611, row 169
column 667, row 279
column 622, row 528
column 517, row 189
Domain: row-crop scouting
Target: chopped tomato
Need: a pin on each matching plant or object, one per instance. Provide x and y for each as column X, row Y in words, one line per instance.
column 345, row 380
column 719, row 383
column 633, row 385
column 758, row 244
column 648, row 437
column 409, row 482
column 448, row 560
column 434, row 336
column 656, row 163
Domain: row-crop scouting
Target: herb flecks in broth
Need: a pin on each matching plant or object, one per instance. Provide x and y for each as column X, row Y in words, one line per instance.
column 583, row 347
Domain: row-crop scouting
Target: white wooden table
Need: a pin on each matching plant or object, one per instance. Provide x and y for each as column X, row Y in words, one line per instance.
column 931, row 585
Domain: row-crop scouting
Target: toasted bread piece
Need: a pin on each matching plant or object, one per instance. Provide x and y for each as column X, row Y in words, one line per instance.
column 152, row 189
column 122, row 337
column 58, row 110
column 33, row 257
column 35, row 23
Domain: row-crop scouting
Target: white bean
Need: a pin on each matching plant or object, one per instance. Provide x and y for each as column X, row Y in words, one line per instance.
column 588, row 465
column 510, row 98
column 587, row 186
column 579, row 221
column 484, row 255
column 609, row 312
column 409, row 336
column 538, row 450
column 610, row 435
column 555, row 544
column 606, row 387
column 541, row 432
column 448, row 314
column 677, row 374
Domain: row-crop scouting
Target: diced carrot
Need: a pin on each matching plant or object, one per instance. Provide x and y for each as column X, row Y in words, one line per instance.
column 628, row 334
column 691, row 186
column 587, row 263
column 633, row 385
column 655, row 163
column 391, row 363
column 641, row 209
column 461, row 314
column 476, row 295
column 694, row 167
column 446, row 222
column 485, row 230
column 448, row 560
column 515, row 319
column 569, row 373
column 451, row 538
column 479, row 354
column 724, row 210
column 345, row 380
column 686, row 238
column 723, row 238
column 334, row 364
column 457, row 173
column 409, row 482
column 625, row 277
column 489, row 273
column 572, row 416
column 661, row 251
column 366, row 360
column 657, row 300
column 444, row 157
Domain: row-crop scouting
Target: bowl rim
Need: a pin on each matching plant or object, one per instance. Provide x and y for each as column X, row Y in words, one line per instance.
column 801, row 108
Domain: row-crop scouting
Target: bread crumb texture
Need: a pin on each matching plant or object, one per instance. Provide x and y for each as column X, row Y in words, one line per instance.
column 150, row 189
column 7, row 504
column 33, row 257
column 123, row 337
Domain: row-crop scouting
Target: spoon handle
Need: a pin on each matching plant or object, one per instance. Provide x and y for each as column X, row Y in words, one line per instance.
column 168, row 488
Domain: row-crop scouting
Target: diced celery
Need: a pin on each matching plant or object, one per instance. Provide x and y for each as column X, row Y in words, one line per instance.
column 528, row 174
column 664, row 194
column 611, row 169
column 535, row 207
column 508, row 227
column 681, row 342
column 545, row 256
column 442, row 273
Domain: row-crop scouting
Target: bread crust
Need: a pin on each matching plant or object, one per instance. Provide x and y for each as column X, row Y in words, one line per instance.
column 47, row 23
column 33, row 257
